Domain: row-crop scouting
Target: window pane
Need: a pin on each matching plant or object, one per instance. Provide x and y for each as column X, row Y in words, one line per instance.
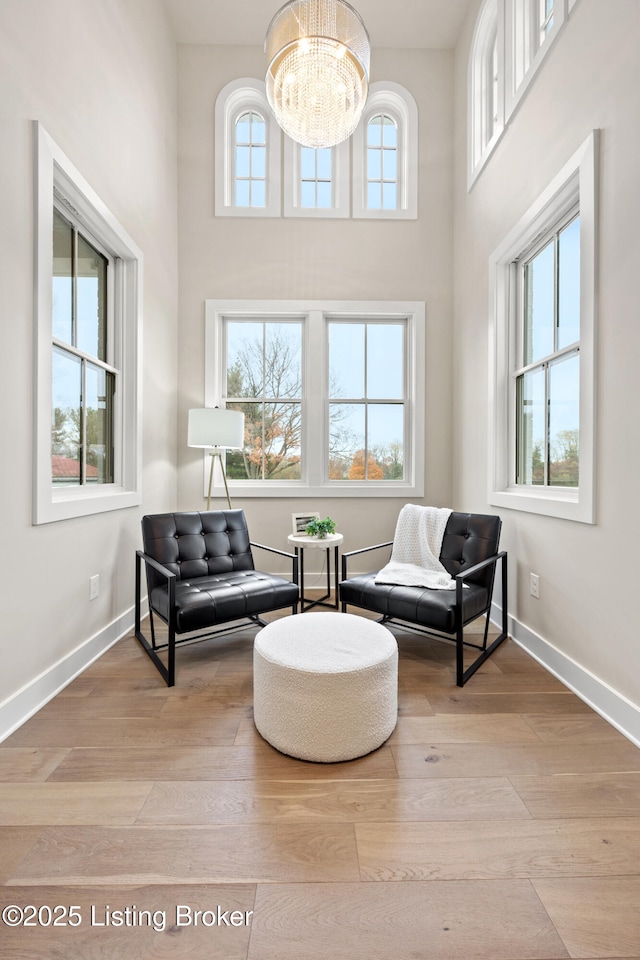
column 374, row 198
column 324, row 196
column 98, row 431
column 374, row 169
column 564, row 421
column 244, row 358
column 324, row 163
column 66, row 419
column 258, row 193
column 258, row 162
column 283, row 360
column 346, row 360
column 242, row 193
column 385, row 361
column 390, row 164
column 539, row 303
column 389, row 133
column 91, row 300
column 243, row 160
column 246, row 464
column 308, row 163
column 258, row 130
column 346, row 441
column 531, row 428
column 374, row 132
column 62, row 279
column 569, row 284
column 389, row 195
column 308, row 194
column 385, row 423
column 243, row 129
column 282, row 441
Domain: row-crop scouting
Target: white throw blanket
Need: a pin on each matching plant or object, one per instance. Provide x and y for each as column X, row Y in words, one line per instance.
column 416, row 549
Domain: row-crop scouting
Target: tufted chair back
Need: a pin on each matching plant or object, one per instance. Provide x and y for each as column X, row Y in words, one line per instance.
column 197, row 544
column 470, row 538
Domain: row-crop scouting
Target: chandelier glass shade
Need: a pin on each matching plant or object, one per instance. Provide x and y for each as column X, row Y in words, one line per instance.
column 318, row 56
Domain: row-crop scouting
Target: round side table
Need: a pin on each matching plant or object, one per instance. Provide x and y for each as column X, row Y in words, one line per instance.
column 302, row 542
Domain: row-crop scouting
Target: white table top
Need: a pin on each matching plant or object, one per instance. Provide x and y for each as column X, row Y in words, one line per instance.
column 302, row 540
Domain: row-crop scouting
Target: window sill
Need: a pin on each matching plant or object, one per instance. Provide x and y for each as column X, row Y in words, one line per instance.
column 550, row 502
column 351, row 488
column 65, row 504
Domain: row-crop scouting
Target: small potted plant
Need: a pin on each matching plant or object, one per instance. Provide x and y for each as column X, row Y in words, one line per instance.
column 320, row 528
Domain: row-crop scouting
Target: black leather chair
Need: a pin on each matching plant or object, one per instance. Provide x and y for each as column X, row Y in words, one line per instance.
column 470, row 555
column 200, row 573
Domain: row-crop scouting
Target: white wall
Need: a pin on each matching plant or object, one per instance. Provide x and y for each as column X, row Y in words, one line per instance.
column 316, row 259
column 101, row 77
column 587, row 609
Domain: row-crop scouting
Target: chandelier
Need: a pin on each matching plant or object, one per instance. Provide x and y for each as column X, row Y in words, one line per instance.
column 317, row 80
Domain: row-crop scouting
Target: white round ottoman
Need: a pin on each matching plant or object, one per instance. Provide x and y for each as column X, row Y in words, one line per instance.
column 325, row 685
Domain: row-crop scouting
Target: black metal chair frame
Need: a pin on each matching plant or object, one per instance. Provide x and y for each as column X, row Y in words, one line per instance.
column 457, row 636
column 153, row 648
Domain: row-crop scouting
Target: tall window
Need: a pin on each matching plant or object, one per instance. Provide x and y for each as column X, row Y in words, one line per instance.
column 367, row 400
column 543, row 307
column 486, row 85
column 382, row 163
column 83, row 382
column 247, row 152
column 332, row 394
column 548, row 383
column 250, row 160
column 88, row 303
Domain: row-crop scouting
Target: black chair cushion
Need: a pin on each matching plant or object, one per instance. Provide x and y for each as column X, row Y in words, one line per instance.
column 204, row 601
column 431, row 608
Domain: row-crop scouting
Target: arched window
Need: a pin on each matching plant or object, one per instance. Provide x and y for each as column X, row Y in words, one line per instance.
column 486, row 83
column 316, row 181
column 247, row 155
column 385, row 155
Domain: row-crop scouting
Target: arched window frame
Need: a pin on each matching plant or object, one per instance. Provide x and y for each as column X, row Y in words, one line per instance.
column 395, row 101
column 235, row 99
column 486, row 95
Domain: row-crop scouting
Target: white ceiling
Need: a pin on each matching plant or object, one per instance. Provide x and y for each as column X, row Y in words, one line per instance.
column 431, row 24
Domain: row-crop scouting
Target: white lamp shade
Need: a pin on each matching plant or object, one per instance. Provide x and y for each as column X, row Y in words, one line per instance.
column 212, row 427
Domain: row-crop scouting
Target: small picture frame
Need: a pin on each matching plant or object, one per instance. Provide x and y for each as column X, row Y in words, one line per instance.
column 299, row 522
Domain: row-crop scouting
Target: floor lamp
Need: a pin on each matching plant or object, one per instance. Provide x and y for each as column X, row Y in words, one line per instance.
column 220, row 430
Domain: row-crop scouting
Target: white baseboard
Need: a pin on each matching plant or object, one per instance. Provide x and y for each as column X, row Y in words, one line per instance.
column 16, row 709
column 616, row 709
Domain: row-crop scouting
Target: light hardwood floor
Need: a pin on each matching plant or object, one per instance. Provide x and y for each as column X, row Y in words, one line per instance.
column 501, row 821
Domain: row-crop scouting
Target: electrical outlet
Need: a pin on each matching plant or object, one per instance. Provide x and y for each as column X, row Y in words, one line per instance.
column 94, row 586
column 534, row 585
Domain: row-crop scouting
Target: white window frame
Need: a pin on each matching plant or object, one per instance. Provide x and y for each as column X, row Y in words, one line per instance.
column 340, row 183
column 315, row 359
column 397, row 102
column 237, row 97
column 55, row 172
column 520, row 56
column 575, row 183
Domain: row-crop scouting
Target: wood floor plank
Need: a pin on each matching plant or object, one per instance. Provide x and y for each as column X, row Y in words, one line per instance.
column 29, row 763
column 511, row 759
column 596, row 917
column 490, row 850
column 15, row 843
column 125, row 732
column 590, row 727
column 96, row 707
column 212, row 854
column 462, row 729
column 246, row 801
column 591, row 795
column 31, row 804
column 258, row 762
column 152, row 928
column 380, row 921
column 467, row 701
